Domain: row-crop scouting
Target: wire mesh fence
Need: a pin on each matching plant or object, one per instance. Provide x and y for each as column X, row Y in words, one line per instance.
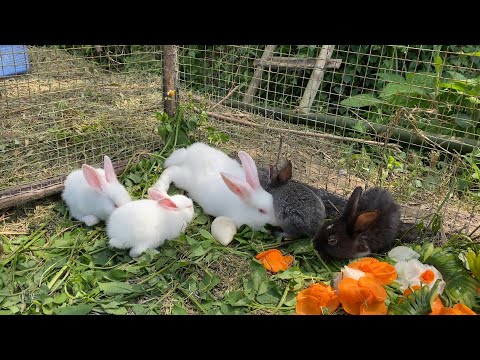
column 402, row 117
column 74, row 105
column 422, row 98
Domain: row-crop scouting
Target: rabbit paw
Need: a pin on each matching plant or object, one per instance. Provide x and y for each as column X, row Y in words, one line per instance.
column 136, row 252
column 90, row 220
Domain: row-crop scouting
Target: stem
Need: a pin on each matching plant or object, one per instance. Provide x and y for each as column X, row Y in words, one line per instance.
column 192, row 298
column 156, row 273
column 324, row 264
column 282, row 300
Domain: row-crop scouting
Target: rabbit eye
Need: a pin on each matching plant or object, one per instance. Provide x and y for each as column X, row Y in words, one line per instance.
column 332, row 241
column 261, row 211
column 116, row 205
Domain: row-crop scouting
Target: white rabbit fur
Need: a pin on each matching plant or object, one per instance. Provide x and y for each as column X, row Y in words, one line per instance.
column 219, row 184
column 93, row 194
column 146, row 224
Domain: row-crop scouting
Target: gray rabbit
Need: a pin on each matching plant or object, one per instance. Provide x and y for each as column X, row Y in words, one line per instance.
column 298, row 208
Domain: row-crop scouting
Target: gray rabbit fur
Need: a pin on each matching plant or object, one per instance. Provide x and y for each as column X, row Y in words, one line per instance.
column 298, row 208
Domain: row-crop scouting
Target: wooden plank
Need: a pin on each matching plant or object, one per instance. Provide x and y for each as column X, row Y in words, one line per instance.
column 257, row 75
column 315, row 79
column 279, row 62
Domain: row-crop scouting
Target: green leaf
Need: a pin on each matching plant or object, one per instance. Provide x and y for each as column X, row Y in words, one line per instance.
column 111, row 305
column 300, row 246
column 291, row 299
column 360, row 127
column 417, row 303
column 438, row 64
column 113, row 288
column 81, row 309
column 209, row 282
column 361, row 100
column 139, row 309
column 390, row 77
column 60, row 299
column 182, row 138
column 426, row 251
column 234, row 297
column 63, row 241
column 460, row 286
column 456, row 76
column 425, row 80
column 117, row 274
column 101, row 258
column 137, row 179
column 475, row 53
column 162, row 132
column 205, row 234
column 464, row 120
column 201, row 219
column 392, row 90
column 178, row 310
column 269, row 297
column 117, row 311
column 198, row 251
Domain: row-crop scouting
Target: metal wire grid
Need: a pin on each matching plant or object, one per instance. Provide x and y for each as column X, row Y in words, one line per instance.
column 420, row 174
column 78, row 103
column 74, row 105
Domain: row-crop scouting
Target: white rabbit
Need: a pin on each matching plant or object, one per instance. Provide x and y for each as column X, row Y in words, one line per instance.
column 146, row 224
column 92, row 194
column 219, row 184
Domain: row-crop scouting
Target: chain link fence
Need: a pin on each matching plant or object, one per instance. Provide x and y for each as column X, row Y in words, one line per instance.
column 402, row 117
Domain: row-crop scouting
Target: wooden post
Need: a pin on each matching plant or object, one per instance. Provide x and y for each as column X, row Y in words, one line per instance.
column 257, row 75
column 170, row 71
column 315, row 79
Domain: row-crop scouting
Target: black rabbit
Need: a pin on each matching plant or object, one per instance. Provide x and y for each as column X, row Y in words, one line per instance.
column 368, row 224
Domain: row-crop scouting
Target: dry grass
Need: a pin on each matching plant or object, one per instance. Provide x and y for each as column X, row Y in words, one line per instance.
column 67, row 111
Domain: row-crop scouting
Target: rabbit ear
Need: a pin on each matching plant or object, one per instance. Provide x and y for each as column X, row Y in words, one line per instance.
column 285, row 172
column 168, row 204
column 161, row 198
column 351, row 207
column 237, row 186
column 365, row 220
column 109, row 171
column 93, row 178
column 156, row 194
column 251, row 174
column 272, row 173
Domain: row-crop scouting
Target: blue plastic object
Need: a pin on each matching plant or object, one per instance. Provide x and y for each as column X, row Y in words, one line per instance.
column 13, row 60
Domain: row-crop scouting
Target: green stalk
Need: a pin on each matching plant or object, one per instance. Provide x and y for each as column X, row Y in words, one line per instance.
column 192, row 298
column 156, row 273
column 282, row 300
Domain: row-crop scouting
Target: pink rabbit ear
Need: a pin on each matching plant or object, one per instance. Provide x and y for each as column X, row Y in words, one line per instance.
column 237, row 186
column 168, row 204
column 156, row 194
column 109, row 171
column 251, row 174
column 93, row 178
column 161, row 198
